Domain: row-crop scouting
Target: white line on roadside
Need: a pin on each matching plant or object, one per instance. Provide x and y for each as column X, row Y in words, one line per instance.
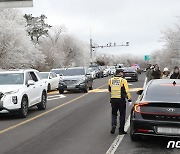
column 119, row 138
column 145, row 82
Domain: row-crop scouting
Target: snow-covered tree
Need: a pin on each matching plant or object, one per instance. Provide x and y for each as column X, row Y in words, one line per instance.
column 169, row 55
column 16, row 48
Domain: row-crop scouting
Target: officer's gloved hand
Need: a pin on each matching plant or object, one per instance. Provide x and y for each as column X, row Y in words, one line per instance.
column 130, row 102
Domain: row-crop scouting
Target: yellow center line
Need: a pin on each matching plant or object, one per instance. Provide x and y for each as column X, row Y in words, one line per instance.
column 44, row 113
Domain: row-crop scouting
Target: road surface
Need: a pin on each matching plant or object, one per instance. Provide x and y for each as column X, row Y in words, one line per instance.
column 74, row 123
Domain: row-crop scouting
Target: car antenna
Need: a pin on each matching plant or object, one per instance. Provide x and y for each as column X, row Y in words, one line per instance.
column 174, row 83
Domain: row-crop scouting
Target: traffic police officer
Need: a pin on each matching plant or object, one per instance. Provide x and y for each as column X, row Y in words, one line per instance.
column 118, row 87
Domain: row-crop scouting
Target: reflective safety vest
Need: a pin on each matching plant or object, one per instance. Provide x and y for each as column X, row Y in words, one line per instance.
column 116, row 84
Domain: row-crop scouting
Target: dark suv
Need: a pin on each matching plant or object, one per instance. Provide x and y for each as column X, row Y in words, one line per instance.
column 77, row 78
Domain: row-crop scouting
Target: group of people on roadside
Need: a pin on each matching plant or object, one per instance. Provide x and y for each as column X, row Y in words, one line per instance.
column 154, row 72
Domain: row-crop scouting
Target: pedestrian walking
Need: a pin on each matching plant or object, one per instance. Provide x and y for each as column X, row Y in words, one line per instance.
column 149, row 72
column 156, row 73
column 118, row 87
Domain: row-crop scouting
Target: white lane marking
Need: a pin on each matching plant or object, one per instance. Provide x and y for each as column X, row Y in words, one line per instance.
column 145, row 83
column 130, row 84
column 54, row 97
column 118, row 139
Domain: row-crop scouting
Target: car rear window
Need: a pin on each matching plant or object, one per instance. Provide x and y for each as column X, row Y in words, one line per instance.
column 163, row 93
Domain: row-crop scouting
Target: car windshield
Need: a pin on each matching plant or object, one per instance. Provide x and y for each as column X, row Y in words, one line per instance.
column 59, row 71
column 45, row 75
column 74, row 72
column 90, row 69
column 163, row 93
column 11, row 78
column 95, row 68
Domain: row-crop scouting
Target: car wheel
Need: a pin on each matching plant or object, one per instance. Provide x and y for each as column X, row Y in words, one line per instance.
column 42, row 105
column 85, row 90
column 61, row 91
column 24, row 108
column 49, row 88
column 91, row 88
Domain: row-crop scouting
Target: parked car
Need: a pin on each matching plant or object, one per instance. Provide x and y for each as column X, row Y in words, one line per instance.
column 112, row 70
column 106, row 72
column 92, row 72
column 157, row 110
column 59, row 71
column 51, row 79
column 98, row 70
column 20, row 90
column 130, row 73
column 77, row 78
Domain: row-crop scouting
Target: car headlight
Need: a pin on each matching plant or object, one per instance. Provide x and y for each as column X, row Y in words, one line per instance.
column 12, row 92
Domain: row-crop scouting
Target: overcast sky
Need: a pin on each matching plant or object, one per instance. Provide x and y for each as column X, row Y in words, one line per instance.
column 138, row 21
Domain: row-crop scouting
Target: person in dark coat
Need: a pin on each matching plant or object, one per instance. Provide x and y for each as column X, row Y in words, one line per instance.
column 149, row 72
column 156, row 73
column 176, row 73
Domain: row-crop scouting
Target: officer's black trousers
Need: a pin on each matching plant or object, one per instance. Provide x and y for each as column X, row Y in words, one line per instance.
column 118, row 105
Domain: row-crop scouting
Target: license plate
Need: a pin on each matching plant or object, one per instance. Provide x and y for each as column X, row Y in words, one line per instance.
column 168, row 130
column 127, row 77
column 70, row 87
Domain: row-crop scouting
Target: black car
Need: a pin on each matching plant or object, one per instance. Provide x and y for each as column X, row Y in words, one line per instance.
column 130, row 73
column 76, row 78
column 157, row 110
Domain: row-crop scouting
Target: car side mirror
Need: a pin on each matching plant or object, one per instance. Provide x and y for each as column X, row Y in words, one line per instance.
column 30, row 82
column 140, row 92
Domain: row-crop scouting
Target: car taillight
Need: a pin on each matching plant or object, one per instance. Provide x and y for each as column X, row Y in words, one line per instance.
column 145, row 131
column 137, row 107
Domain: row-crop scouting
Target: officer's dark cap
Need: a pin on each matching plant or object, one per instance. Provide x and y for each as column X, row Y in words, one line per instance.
column 118, row 71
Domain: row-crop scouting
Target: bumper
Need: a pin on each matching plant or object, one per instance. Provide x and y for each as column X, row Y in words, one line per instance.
column 131, row 78
column 150, row 127
column 72, row 87
column 7, row 105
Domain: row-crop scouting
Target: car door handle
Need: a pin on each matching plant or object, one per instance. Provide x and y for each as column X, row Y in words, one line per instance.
column 34, row 87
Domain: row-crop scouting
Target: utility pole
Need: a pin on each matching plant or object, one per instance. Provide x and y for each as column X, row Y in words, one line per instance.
column 103, row 46
column 91, row 52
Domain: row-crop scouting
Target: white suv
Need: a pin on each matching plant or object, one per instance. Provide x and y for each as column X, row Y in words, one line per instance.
column 20, row 90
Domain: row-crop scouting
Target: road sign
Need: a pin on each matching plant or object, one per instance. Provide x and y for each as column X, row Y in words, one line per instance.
column 147, row 57
column 15, row 3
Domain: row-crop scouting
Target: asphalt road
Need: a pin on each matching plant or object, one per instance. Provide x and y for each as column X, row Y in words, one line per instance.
column 78, row 123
